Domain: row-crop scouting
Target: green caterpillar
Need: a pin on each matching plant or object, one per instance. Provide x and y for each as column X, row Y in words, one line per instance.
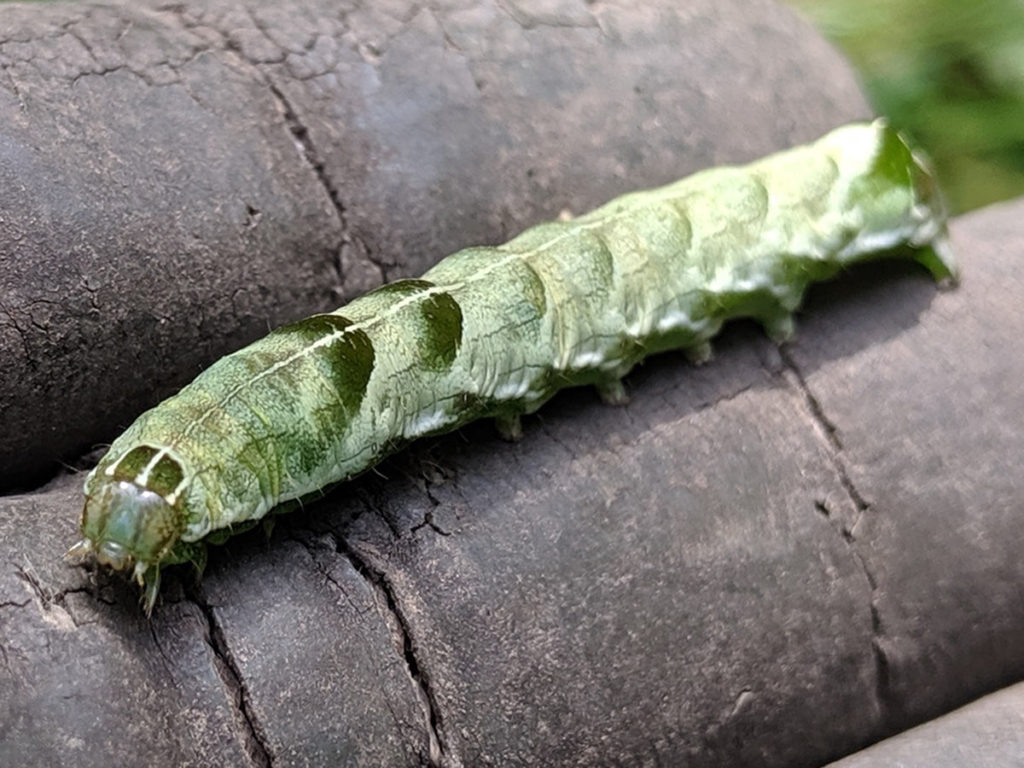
column 496, row 331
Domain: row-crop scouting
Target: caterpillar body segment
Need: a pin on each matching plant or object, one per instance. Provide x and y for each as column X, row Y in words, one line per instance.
column 496, row 331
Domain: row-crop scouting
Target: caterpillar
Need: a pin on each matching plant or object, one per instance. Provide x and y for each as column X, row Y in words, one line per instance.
column 496, row 331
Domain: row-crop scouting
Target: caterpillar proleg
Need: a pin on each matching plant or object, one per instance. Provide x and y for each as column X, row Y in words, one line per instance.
column 496, row 331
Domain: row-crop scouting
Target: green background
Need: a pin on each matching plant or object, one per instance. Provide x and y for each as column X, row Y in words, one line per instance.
column 950, row 73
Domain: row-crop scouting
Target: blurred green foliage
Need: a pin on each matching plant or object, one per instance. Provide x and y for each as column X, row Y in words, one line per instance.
column 950, row 73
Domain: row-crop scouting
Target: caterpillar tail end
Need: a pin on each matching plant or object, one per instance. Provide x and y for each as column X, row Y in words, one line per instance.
column 931, row 241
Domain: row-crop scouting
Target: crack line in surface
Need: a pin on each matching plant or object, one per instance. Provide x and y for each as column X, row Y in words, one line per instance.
column 311, row 546
column 52, row 599
column 830, row 433
column 883, row 676
column 300, row 133
column 255, row 739
column 303, row 142
column 301, row 136
column 428, row 516
column 379, row 583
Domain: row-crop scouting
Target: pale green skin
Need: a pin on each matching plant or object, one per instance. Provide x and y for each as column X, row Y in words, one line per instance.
column 497, row 331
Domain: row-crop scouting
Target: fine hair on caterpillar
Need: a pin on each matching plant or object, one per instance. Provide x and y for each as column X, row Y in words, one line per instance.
column 496, row 331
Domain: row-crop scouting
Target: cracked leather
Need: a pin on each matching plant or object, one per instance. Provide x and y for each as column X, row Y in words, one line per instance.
column 770, row 560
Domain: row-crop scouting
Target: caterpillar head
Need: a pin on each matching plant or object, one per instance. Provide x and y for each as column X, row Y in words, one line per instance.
column 130, row 520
